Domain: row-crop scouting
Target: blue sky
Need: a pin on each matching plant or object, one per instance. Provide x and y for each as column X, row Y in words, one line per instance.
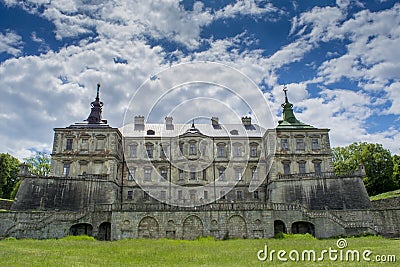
column 339, row 60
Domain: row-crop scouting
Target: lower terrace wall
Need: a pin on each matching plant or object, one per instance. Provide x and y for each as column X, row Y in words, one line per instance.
column 191, row 224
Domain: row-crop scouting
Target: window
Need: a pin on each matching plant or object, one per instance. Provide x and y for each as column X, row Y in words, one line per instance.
column 66, row 169
column 181, row 175
column 314, row 143
column 163, row 194
column 205, row 194
column 147, row 174
column 237, row 150
column 222, row 194
column 300, row 144
column 130, row 195
column 253, row 151
column 163, row 151
column 239, row 194
column 180, row 195
column 181, row 148
column 205, row 175
column 132, row 151
column 302, row 167
column 100, row 142
column 69, row 144
column 317, row 167
column 84, row 145
column 254, row 173
column 131, row 176
column 285, row 144
column 192, row 149
column 221, row 173
column 164, row 173
column 192, row 195
column 286, row 167
column 151, row 132
column 192, row 173
column 255, row 195
column 149, row 150
column 221, row 151
column 238, row 174
column 146, row 195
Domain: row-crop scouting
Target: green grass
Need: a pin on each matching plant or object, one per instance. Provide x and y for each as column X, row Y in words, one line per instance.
column 385, row 195
column 85, row 251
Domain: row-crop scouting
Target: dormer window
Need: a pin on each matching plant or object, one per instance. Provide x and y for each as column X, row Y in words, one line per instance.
column 234, row 132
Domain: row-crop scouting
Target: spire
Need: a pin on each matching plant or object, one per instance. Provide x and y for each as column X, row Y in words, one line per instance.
column 97, row 108
column 288, row 114
column 289, row 119
column 193, row 129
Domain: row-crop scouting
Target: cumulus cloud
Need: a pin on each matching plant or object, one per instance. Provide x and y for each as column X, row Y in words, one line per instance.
column 55, row 88
column 10, row 43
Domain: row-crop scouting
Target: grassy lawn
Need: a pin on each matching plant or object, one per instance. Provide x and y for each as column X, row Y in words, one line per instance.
column 385, row 195
column 84, row 251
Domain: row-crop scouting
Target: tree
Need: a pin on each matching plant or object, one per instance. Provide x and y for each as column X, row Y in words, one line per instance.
column 39, row 164
column 377, row 162
column 378, row 166
column 396, row 170
column 9, row 169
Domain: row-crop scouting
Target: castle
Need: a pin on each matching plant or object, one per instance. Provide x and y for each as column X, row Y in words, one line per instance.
column 182, row 181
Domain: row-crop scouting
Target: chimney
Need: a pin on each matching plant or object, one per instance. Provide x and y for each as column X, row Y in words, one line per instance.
column 139, row 123
column 214, row 121
column 246, row 121
column 168, row 123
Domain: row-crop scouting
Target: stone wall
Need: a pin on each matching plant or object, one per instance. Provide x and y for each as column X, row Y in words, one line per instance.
column 320, row 193
column 221, row 224
column 66, row 194
column 387, row 203
column 5, row 204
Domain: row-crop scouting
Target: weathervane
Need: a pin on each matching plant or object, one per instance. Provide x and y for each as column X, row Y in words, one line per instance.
column 285, row 91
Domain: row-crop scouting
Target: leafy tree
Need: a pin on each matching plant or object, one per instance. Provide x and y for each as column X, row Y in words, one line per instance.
column 396, row 170
column 377, row 162
column 379, row 169
column 9, row 169
column 39, row 164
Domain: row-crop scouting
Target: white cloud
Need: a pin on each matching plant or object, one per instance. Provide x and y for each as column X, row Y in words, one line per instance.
column 10, row 43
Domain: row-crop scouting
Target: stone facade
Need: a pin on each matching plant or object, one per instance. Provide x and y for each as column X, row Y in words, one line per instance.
column 184, row 181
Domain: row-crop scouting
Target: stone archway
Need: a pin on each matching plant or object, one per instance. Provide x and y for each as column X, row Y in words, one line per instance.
column 192, row 227
column 104, row 231
column 303, row 228
column 237, row 227
column 81, row 229
column 148, row 228
column 279, row 227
